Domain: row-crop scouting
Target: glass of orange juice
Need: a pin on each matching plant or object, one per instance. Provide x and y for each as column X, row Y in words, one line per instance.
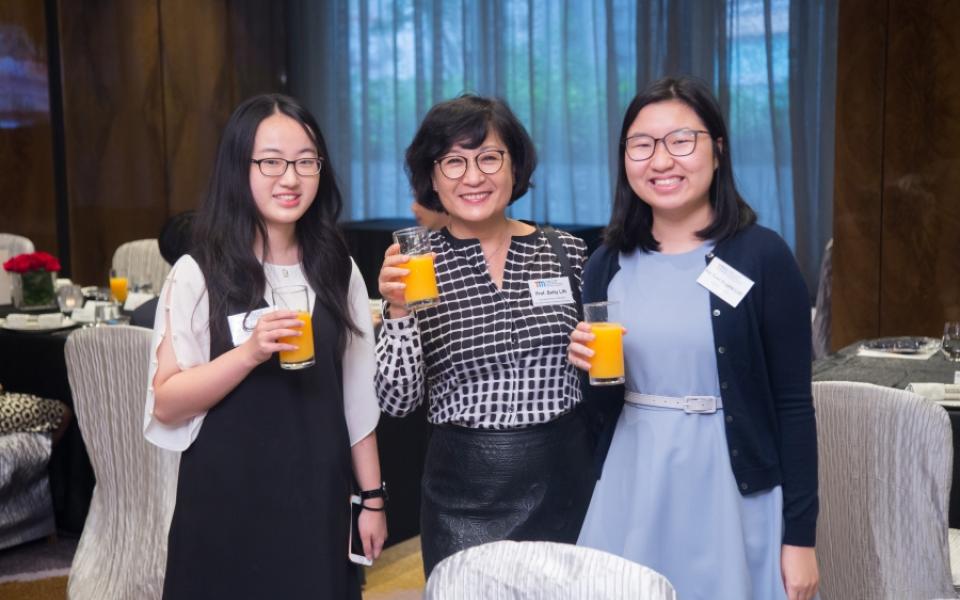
column 421, row 282
column 118, row 286
column 295, row 297
column 606, row 366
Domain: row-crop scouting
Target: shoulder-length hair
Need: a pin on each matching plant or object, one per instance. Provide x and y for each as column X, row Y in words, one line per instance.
column 631, row 221
column 228, row 223
column 466, row 120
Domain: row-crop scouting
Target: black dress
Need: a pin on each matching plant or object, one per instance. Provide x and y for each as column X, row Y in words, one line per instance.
column 263, row 496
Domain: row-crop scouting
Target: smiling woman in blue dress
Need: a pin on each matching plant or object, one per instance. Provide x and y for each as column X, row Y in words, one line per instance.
column 718, row 493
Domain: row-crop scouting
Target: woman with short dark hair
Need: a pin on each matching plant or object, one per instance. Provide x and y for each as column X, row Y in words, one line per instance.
column 710, row 472
column 508, row 456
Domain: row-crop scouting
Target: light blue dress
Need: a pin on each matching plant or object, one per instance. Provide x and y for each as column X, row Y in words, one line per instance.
column 667, row 498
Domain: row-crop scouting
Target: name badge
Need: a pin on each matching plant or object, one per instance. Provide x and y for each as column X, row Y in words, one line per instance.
column 727, row 283
column 554, row 290
column 240, row 328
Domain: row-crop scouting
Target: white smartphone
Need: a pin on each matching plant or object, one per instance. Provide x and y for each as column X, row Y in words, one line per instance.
column 355, row 545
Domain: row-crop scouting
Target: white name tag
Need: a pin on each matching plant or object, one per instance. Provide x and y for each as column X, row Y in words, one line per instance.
column 240, row 328
column 554, row 290
column 727, row 283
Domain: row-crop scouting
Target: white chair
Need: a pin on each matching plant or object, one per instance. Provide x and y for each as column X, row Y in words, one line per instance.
column 14, row 244
column 543, row 571
column 26, row 508
column 141, row 261
column 885, row 462
column 123, row 548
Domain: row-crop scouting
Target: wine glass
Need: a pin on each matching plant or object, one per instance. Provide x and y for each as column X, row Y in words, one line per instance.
column 951, row 340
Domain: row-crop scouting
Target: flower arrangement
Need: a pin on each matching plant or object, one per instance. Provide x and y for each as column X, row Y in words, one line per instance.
column 34, row 275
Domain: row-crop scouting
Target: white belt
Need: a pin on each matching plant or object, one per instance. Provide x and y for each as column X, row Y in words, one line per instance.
column 688, row 404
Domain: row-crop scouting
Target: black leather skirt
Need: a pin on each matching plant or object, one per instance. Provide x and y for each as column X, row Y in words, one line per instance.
column 484, row 485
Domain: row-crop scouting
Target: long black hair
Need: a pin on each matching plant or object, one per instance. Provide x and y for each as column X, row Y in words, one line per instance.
column 228, row 222
column 631, row 221
column 467, row 120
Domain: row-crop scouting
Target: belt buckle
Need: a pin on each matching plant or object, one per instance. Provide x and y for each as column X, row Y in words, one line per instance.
column 701, row 405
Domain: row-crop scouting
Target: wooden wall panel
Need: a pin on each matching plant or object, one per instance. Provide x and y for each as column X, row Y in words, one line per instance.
column 896, row 251
column 920, row 271
column 27, row 202
column 113, row 128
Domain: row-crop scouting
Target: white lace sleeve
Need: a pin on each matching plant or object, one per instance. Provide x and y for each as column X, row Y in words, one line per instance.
column 184, row 299
column 359, row 365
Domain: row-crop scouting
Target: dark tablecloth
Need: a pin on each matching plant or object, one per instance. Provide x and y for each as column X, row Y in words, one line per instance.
column 34, row 363
column 845, row 365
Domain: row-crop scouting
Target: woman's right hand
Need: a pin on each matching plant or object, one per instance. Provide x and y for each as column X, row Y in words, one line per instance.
column 578, row 353
column 264, row 340
column 389, row 283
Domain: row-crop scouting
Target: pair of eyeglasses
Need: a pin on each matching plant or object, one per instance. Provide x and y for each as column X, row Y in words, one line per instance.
column 454, row 166
column 682, row 142
column 277, row 167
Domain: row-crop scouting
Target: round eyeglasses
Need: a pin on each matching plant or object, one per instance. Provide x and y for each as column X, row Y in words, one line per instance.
column 454, row 166
column 276, row 167
column 681, row 142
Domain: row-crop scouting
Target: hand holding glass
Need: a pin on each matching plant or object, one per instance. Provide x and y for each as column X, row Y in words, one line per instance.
column 606, row 366
column 421, row 284
column 951, row 340
column 295, row 298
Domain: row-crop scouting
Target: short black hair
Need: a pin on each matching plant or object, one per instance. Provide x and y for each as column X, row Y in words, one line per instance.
column 631, row 221
column 176, row 235
column 467, row 120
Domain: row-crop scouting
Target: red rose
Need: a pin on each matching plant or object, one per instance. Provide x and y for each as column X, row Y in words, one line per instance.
column 36, row 261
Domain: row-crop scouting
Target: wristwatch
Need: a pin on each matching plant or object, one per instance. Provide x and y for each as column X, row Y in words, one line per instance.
column 380, row 492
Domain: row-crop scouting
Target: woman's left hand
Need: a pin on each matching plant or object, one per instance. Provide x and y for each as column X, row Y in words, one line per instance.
column 798, row 566
column 373, row 531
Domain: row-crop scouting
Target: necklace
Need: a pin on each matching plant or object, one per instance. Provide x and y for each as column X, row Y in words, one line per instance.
column 500, row 246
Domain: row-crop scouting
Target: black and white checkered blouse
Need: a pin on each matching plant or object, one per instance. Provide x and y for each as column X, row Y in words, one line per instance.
column 486, row 357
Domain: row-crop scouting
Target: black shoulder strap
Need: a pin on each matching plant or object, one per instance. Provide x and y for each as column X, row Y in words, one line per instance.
column 557, row 245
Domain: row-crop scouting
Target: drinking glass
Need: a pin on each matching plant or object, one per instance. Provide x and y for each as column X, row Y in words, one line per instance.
column 421, row 291
column 606, row 366
column 951, row 340
column 118, row 286
column 295, row 297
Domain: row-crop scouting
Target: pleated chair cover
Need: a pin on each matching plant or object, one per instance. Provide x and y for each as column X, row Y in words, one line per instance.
column 141, row 261
column 15, row 244
column 543, row 571
column 885, row 460
column 26, row 508
column 123, row 548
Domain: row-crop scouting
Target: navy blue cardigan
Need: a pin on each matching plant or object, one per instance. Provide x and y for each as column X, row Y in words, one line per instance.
column 763, row 362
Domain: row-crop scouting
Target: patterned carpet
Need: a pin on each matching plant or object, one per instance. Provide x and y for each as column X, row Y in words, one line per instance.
column 397, row 575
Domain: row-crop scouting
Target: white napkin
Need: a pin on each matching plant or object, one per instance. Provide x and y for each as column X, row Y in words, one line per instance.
column 135, row 299
column 50, row 320
column 86, row 313
column 947, row 394
column 884, row 354
column 17, row 320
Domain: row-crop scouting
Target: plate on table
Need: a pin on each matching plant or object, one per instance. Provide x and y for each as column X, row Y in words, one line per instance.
column 34, row 325
column 902, row 345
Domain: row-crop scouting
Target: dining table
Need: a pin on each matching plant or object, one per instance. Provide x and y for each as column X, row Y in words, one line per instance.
column 33, row 362
column 847, row 364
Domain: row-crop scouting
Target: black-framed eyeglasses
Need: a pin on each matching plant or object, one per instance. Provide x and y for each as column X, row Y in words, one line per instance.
column 681, row 142
column 276, row 167
column 454, row 166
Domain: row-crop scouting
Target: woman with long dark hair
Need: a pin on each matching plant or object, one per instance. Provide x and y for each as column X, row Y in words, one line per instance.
column 509, row 455
column 710, row 472
column 265, row 479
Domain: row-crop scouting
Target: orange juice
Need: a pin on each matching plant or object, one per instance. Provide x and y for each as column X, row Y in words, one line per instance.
column 303, row 355
column 606, row 366
column 118, row 288
column 421, row 290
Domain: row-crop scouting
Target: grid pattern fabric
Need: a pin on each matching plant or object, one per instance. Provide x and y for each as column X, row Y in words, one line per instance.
column 486, row 357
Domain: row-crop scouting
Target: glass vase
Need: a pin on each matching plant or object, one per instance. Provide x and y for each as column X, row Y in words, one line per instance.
column 34, row 290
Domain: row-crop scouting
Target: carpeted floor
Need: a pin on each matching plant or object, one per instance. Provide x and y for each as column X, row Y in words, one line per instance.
column 37, row 571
